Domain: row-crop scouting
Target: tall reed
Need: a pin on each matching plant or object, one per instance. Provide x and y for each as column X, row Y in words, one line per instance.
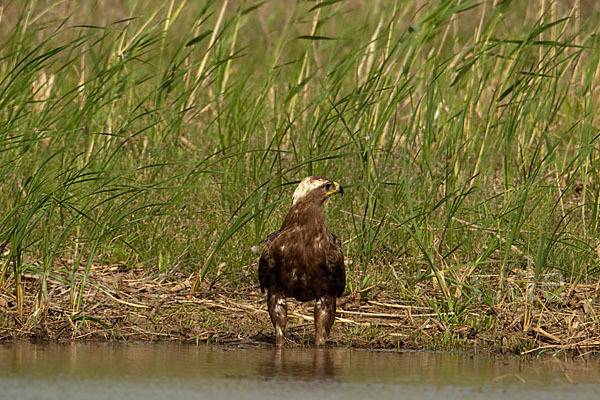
column 168, row 137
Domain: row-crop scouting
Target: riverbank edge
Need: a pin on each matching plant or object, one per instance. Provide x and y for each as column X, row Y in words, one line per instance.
column 127, row 307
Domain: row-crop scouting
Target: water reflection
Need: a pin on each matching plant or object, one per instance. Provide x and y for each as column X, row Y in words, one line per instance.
column 64, row 371
column 317, row 363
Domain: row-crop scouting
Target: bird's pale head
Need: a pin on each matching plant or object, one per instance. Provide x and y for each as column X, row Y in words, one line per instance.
column 317, row 189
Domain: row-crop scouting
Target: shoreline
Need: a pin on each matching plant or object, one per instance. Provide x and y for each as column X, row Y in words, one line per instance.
column 129, row 307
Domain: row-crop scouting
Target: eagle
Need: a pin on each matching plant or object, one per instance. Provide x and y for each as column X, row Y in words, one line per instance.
column 304, row 260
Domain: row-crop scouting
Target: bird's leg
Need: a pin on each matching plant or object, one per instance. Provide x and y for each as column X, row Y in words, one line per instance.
column 278, row 311
column 324, row 317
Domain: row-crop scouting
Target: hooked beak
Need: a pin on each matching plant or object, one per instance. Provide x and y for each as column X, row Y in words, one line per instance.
column 338, row 189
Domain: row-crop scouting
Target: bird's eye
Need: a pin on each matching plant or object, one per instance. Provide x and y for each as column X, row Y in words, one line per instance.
column 329, row 186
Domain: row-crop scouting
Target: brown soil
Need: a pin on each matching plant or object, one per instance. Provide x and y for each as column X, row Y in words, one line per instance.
column 120, row 305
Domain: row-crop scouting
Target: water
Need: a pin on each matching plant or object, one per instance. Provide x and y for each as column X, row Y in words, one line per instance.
column 159, row 371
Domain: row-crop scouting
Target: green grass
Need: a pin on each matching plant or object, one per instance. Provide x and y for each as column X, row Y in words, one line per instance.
column 167, row 138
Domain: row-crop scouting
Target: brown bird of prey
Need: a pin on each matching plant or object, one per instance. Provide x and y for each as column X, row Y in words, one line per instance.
column 304, row 260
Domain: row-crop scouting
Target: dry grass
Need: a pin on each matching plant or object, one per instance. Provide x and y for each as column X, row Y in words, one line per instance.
column 121, row 305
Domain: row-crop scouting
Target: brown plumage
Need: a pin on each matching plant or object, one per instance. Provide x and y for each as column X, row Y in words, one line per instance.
column 304, row 260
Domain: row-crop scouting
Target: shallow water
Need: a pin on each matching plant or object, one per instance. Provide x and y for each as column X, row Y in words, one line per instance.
column 158, row 371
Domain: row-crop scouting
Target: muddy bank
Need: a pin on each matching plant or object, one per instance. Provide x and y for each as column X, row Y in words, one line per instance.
column 119, row 305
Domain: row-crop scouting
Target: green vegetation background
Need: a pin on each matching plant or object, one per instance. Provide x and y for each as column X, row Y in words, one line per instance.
column 167, row 137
